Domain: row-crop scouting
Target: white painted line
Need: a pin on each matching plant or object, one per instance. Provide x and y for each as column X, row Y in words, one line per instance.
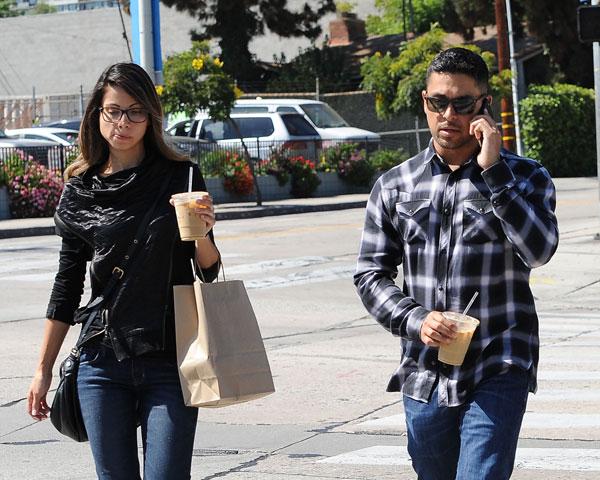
column 277, row 264
column 581, row 315
column 301, row 278
column 377, row 455
column 31, row 277
column 566, row 459
column 575, row 375
column 24, row 265
column 556, row 421
column 563, row 459
column 574, row 343
column 532, row 420
column 572, row 394
column 391, row 423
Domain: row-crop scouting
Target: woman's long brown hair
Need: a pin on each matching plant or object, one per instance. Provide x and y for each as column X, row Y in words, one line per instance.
column 134, row 80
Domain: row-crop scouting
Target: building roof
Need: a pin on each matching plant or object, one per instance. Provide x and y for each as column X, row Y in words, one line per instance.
column 57, row 53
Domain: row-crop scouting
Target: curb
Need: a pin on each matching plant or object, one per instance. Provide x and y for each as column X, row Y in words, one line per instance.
column 249, row 212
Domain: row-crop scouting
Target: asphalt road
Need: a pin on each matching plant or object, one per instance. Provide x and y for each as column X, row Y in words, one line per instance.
column 330, row 417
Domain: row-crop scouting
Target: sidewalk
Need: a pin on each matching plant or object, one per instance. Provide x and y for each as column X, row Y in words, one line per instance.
column 29, row 227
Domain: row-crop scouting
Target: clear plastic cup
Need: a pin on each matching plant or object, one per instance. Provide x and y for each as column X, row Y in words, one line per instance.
column 191, row 225
column 454, row 353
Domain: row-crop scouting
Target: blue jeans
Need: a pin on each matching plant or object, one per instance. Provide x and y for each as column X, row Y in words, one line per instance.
column 474, row 441
column 116, row 397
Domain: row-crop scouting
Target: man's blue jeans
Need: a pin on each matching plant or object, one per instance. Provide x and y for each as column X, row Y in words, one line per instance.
column 474, row 441
column 117, row 396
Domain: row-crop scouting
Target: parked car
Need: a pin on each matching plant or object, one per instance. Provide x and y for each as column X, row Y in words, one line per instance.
column 326, row 121
column 62, row 136
column 262, row 133
column 72, row 124
column 42, row 151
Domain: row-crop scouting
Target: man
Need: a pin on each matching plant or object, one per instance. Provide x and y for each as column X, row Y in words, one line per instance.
column 463, row 216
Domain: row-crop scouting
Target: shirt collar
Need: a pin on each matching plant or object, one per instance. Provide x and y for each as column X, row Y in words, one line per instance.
column 431, row 156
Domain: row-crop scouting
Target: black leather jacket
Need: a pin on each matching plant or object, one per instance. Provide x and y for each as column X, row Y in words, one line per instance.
column 98, row 218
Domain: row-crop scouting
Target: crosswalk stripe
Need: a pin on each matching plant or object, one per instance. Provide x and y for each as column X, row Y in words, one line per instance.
column 564, row 459
column 573, row 375
column 531, row 420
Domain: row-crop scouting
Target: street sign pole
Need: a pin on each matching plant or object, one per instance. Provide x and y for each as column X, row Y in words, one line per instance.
column 145, row 36
column 596, row 53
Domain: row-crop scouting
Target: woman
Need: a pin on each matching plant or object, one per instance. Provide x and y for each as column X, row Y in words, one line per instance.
column 128, row 372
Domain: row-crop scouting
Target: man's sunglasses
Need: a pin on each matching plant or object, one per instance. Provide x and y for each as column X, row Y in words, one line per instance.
column 461, row 105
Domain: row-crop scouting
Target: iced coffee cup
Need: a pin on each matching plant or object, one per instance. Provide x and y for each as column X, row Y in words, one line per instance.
column 191, row 225
column 454, row 353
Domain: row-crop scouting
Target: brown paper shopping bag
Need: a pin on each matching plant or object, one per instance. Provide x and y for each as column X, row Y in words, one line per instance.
column 220, row 352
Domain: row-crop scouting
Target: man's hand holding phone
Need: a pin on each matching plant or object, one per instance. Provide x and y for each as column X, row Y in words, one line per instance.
column 489, row 137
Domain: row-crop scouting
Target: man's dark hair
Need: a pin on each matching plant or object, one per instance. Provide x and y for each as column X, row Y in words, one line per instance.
column 460, row 60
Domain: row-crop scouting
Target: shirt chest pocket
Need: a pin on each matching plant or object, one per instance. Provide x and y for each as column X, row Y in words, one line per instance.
column 480, row 225
column 413, row 219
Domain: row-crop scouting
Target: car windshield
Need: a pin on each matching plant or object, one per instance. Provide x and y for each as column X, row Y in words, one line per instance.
column 323, row 116
column 70, row 137
column 297, row 125
column 2, row 134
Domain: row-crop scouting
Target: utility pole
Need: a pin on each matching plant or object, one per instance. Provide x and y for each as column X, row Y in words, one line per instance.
column 506, row 104
column 513, row 78
column 145, row 33
column 596, row 53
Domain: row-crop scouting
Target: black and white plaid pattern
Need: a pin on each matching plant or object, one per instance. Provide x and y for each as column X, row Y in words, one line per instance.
column 455, row 233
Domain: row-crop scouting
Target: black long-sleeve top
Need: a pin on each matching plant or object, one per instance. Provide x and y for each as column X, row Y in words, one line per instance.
column 99, row 230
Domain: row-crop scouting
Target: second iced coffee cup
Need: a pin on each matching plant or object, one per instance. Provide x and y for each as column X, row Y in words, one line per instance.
column 454, row 353
column 191, row 225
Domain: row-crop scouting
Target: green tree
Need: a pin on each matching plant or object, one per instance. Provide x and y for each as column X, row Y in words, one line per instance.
column 554, row 23
column 394, row 13
column 195, row 80
column 330, row 65
column 236, row 22
column 397, row 82
column 469, row 14
column 6, row 8
column 42, row 8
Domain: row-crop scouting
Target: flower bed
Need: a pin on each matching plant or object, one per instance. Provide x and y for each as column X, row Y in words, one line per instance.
column 33, row 190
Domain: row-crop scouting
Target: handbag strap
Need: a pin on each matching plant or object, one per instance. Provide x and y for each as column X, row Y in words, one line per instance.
column 118, row 272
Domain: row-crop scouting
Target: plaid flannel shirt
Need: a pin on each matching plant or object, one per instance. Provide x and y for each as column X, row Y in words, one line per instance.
column 454, row 233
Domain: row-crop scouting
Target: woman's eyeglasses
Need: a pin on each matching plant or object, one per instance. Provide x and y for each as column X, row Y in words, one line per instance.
column 461, row 105
column 114, row 114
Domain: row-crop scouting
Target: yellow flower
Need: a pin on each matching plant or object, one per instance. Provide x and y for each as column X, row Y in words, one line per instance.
column 237, row 92
column 159, row 90
column 378, row 54
column 197, row 63
column 218, row 63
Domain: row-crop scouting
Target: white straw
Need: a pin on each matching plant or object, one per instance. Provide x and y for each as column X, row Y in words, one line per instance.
column 190, row 179
column 470, row 303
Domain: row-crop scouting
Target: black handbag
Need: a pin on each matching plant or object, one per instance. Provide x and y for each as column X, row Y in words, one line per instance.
column 65, row 413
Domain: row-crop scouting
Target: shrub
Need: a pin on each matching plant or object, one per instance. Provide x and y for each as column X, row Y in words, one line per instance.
column 383, row 160
column 304, row 177
column 332, row 156
column 278, row 165
column 557, row 126
column 237, row 177
column 33, row 190
column 213, row 163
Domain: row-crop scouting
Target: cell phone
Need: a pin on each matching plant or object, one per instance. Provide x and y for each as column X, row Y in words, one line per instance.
column 484, row 107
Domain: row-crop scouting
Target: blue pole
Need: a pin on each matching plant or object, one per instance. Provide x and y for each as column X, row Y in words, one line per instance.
column 158, row 68
column 135, row 31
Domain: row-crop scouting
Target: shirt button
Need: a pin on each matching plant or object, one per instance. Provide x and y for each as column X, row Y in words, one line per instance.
column 446, row 211
column 440, row 288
